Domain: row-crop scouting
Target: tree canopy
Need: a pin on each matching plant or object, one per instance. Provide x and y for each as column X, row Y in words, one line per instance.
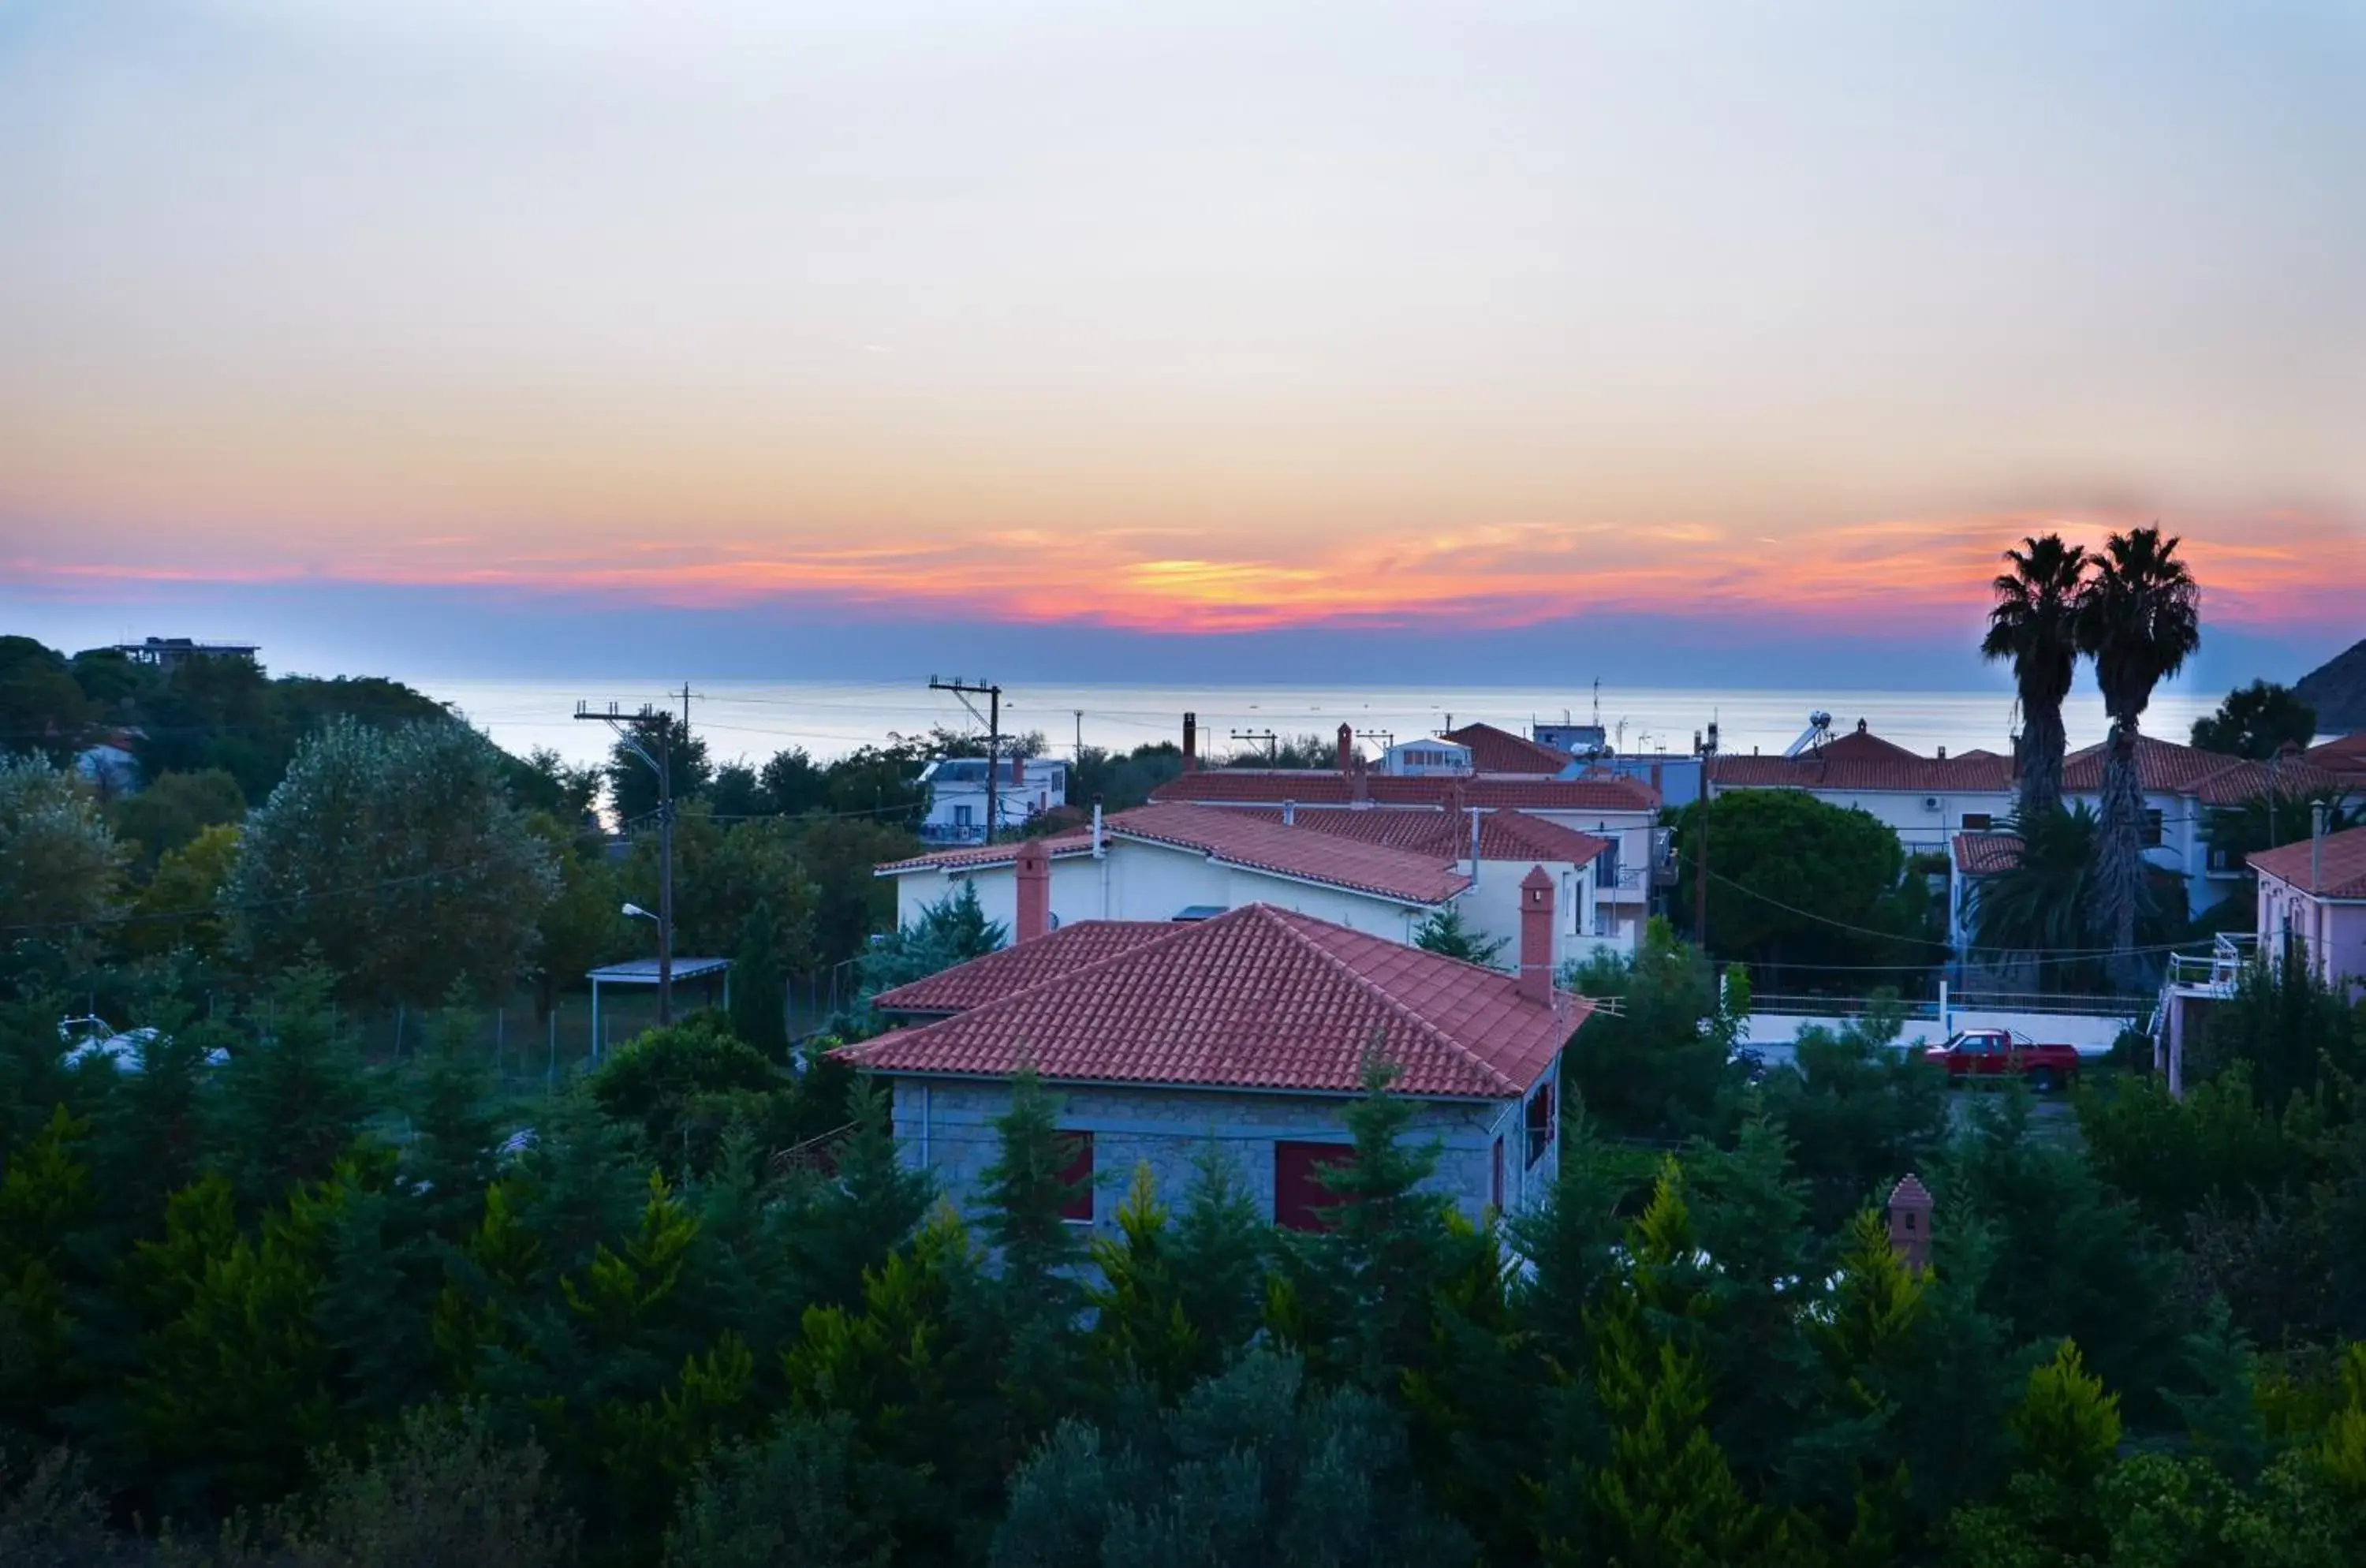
column 395, row 855
column 2258, row 721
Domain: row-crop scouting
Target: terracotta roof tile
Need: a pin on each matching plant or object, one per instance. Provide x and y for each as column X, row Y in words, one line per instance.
column 1985, row 854
column 1017, row 967
column 1321, row 786
column 1256, row 998
column 973, row 856
column 2346, row 756
column 1241, row 838
column 1495, row 750
column 2344, row 867
column 1503, row 835
column 1864, row 760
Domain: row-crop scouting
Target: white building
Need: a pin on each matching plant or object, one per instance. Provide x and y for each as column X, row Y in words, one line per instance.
column 1385, row 873
column 958, row 796
column 1929, row 800
column 1542, row 785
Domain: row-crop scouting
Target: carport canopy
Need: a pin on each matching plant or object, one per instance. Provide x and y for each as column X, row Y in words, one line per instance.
column 644, row 972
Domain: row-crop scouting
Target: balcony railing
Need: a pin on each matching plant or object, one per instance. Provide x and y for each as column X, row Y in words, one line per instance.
column 2214, row 972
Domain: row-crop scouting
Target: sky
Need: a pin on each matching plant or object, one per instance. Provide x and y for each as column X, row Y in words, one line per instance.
column 1715, row 342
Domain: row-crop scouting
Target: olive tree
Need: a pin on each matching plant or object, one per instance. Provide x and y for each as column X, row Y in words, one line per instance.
column 396, row 855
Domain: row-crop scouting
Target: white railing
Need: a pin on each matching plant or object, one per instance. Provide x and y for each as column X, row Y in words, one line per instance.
column 2213, row 973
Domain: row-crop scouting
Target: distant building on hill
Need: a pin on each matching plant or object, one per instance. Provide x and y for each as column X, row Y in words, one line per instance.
column 168, row 653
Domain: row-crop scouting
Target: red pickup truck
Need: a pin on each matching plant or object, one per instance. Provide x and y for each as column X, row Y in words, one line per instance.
column 2001, row 1053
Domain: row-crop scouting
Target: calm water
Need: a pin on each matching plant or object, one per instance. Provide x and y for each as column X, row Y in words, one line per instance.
column 756, row 718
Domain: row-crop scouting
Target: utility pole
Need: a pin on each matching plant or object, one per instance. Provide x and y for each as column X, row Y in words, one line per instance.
column 1272, row 742
column 966, row 690
column 1706, row 748
column 1080, row 735
column 637, row 731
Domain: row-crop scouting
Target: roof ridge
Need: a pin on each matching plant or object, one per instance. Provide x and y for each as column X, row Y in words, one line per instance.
column 1182, row 929
column 1287, row 919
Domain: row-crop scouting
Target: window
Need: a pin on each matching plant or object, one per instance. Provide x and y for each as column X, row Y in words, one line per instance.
column 1078, row 1176
column 962, row 815
column 1495, row 1179
column 1979, row 821
column 2152, row 831
column 1540, row 1123
column 1300, row 1198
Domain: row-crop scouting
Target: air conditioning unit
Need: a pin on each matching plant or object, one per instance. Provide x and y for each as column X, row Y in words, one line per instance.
column 1930, row 803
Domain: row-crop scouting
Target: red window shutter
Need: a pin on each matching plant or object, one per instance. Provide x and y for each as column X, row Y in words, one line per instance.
column 1078, row 1176
column 1300, row 1198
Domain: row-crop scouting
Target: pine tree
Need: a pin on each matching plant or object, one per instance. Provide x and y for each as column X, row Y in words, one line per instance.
column 795, row 1498
column 46, row 1199
column 1665, row 1494
column 845, row 1222
column 293, row 1097
column 1037, row 1293
column 1364, row 1286
column 1140, row 1326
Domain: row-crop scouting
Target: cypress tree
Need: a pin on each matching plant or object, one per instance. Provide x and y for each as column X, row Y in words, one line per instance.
column 759, row 987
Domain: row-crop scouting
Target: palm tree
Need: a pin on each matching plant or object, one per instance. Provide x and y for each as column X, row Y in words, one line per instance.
column 2042, row 913
column 2033, row 626
column 2139, row 618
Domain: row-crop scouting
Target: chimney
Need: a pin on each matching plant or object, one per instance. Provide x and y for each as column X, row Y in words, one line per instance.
column 1346, row 748
column 2316, row 848
column 1909, row 1222
column 1191, row 742
column 1034, row 891
column 1018, row 771
column 1474, row 848
column 1290, row 814
column 1943, row 753
column 1096, row 827
column 1536, row 935
column 1360, row 785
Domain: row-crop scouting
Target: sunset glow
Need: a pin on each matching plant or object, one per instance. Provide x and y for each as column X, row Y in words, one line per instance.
column 1047, row 315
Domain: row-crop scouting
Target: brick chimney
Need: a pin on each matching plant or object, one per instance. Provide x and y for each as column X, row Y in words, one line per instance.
column 1034, row 891
column 1909, row 1222
column 1191, row 742
column 1347, row 752
column 1360, row 785
column 1018, row 771
column 1536, row 935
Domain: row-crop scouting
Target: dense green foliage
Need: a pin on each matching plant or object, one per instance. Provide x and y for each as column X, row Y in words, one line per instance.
column 1448, row 934
column 1796, row 883
column 2258, row 720
column 317, row 1310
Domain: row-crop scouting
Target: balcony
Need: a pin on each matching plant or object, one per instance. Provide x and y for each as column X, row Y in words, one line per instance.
column 2216, row 973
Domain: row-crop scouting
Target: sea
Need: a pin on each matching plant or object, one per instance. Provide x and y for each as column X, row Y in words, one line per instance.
column 753, row 719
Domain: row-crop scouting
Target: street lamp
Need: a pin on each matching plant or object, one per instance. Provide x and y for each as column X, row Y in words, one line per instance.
column 640, row 734
column 635, row 912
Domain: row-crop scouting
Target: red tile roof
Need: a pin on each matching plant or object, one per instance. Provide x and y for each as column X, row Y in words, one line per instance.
column 1015, row 968
column 1257, row 998
column 2347, row 755
column 2211, row 777
column 1503, row 835
column 1985, row 854
column 2344, row 867
column 1241, row 839
column 1864, row 760
column 1495, row 750
column 973, row 856
column 1321, row 786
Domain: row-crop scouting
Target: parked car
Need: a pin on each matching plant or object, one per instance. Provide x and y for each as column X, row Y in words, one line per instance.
column 2005, row 1053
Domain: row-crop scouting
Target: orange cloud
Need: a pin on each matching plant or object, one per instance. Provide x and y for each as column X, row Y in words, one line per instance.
column 1882, row 575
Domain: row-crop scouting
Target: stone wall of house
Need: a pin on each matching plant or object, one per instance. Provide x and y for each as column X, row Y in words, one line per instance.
column 946, row 1126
